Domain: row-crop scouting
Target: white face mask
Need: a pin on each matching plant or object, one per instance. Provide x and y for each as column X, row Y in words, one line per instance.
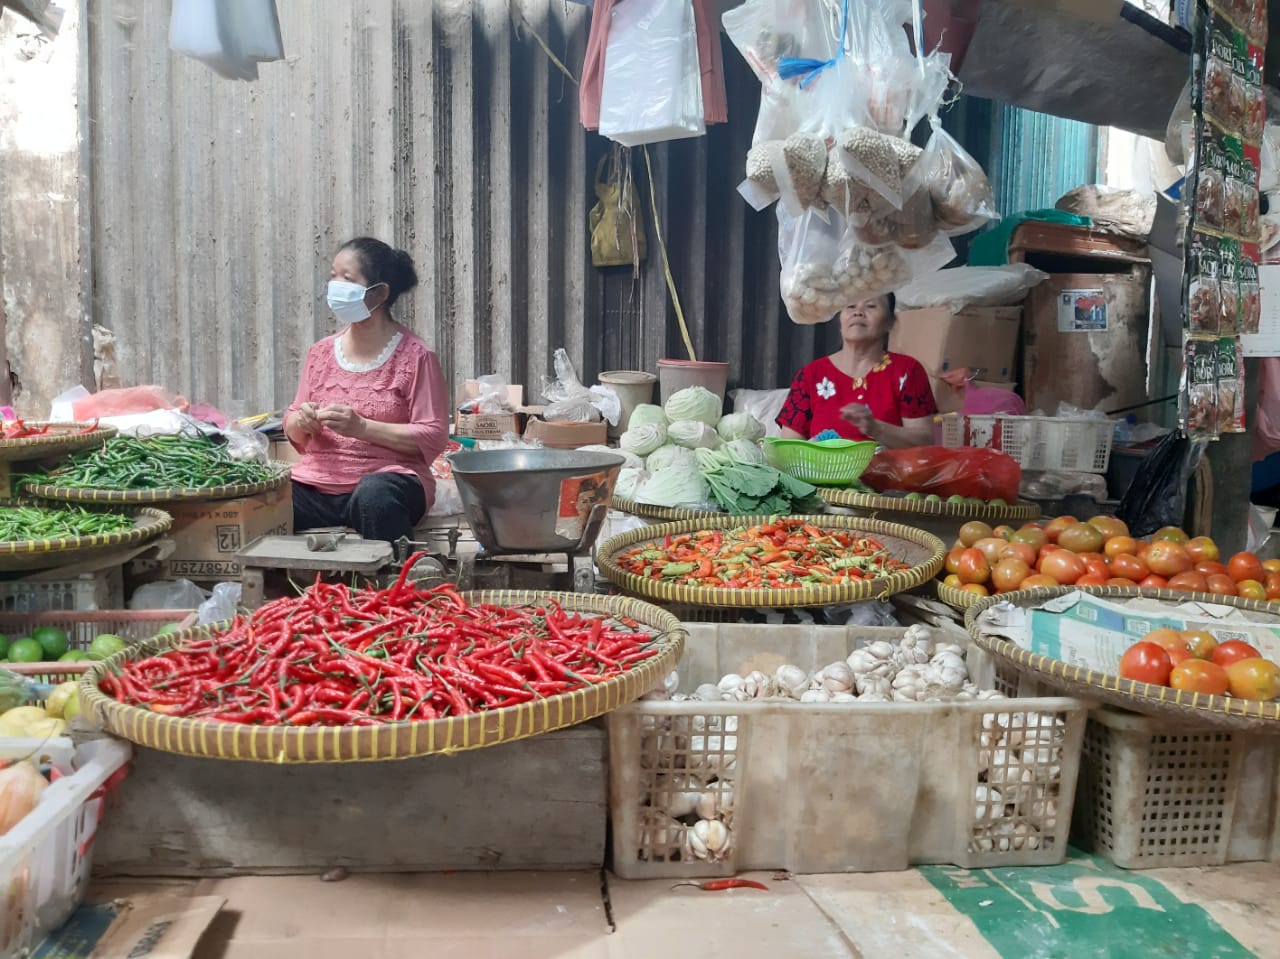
column 346, row 300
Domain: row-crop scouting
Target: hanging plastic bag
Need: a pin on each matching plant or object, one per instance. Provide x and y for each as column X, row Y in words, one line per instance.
column 652, row 89
column 967, row 471
column 617, row 231
column 826, row 266
column 964, row 286
column 571, row 402
column 953, row 180
column 1157, row 496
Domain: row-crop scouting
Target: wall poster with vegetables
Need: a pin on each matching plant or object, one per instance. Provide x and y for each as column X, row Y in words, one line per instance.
column 1221, row 293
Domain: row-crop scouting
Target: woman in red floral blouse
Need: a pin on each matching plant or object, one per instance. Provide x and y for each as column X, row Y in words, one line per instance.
column 862, row 392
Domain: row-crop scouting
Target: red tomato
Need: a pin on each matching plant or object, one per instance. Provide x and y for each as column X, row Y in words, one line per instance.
column 1023, row 551
column 1221, row 584
column 1038, row 581
column 1232, row 651
column 1092, row 579
column 1109, row 526
column 1031, row 535
column 1008, row 574
column 1211, row 568
column 990, row 547
column 1202, row 549
column 973, row 567
column 1245, row 566
column 1168, row 559
column 1200, row 642
column 973, row 531
column 1146, row 663
column 1062, row 565
column 1121, row 581
column 1004, row 532
column 1179, row 655
column 1081, row 538
column 1170, row 534
column 1257, row 679
column 1197, row 676
column 953, row 559
column 1189, row 582
column 1271, row 565
column 1130, row 567
column 1097, row 567
column 1154, row 582
column 951, row 579
column 1272, row 584
column 1251, row 589
column 976, row 588
column 1055, row 527
column 1118, row 545
column 1166, row 638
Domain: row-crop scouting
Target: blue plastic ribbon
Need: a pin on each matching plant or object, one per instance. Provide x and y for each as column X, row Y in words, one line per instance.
column 808, row 67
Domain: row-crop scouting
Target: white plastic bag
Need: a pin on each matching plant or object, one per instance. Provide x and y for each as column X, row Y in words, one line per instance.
column 221, row 606
column 954, row 182
column 178, row 594
column 231, row 37
column 964, row 286
column 764, row 405
column 571, row 402
column 652, row 89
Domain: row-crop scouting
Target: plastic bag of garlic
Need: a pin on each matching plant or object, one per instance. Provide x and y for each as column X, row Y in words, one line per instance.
column 825, row 266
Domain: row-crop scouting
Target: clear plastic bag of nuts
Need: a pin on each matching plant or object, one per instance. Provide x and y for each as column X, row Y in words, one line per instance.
column 825, row 266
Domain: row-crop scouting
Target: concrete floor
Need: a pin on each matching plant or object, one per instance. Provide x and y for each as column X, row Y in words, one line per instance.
column 1081, row 910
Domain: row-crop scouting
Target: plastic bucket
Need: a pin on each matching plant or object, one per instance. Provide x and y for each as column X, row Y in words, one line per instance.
column 676, row 375
column 633, row 388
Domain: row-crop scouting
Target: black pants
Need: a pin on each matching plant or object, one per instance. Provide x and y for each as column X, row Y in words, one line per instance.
column 383, row 506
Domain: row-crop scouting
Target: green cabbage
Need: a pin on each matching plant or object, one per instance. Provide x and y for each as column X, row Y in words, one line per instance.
column 745, row 451
column 740, row 426
column 629, row 481
column 670, row 455
column 629, row 459
column 695, row 403
column 646, row 414
column 643, row 440
column 693, row 434
column 673, row 487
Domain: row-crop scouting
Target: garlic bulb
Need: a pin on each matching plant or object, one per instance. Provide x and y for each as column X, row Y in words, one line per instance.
column 717, row 801
column 871, row 683
column 951, row 648
column 712, row 837
column 873, row 697
column 843, row 698
column 910, row 684
column 991, row 694
column 707, row 693
column 730, row 683
column 915, row 648
column 757, row 685
column 815, row 696
column 880, row 649
column 677, row 794
column 668, row 688
column 791, row 680
column 837, row 678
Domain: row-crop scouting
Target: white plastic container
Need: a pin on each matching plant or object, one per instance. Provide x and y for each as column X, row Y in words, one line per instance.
column 1036, row 442
column 88, row 591
column 831, row 787
column 46, row 859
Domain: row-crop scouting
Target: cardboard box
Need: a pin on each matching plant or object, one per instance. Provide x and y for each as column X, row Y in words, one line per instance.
column 489, row 426
column 567, row 436
column 282, row 451
column 208, row 533
column 977, row 337
column 951, row 400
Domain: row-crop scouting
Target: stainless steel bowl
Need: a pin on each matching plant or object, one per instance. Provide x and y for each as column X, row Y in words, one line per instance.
column 535, row 501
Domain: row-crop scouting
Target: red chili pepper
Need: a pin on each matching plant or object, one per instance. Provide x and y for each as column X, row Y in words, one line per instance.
column 715, row 885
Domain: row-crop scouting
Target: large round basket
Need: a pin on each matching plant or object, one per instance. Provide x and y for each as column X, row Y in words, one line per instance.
column 956, row 598
column 75, row 494
column 19, row 555
column 922, row 552
column 341, row 744
column 1109, row 688
column 668, row 513
column 61, row 439
column 899, row 509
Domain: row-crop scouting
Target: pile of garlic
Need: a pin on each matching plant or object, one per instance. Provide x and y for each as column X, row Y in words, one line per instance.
column 689, row 763
column 1020, row 767
column 913, row 669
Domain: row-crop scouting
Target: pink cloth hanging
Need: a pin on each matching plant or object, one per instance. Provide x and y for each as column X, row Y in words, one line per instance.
column 715, row 103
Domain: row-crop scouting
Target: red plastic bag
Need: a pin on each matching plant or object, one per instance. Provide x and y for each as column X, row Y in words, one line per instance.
column 967, row 471
column 127, row 400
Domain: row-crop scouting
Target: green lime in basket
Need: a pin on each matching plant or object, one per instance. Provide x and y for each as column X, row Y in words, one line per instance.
column 105, row 646
column 167, row 628
column 26, row 650
column 52, row 640
column 4, row 646
column 73, row 656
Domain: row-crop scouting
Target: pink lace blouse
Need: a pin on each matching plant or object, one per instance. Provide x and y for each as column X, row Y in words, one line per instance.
column 406, row 387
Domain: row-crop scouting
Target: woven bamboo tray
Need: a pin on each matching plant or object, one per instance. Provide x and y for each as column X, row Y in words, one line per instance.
column 1152, row 700
column 55, row 443
column 956, row 598
column 18, row 555
column 923, row 552
column 873, row 504
column 336, row 744
column 668, row 513
column 74, row 494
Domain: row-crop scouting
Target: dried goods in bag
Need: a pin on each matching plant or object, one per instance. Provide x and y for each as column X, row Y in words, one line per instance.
column 961, row 192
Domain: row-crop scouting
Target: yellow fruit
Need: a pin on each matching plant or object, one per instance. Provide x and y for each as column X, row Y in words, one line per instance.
column 56, row 704
column 72, row 707
column 11, row 730
column 46, row 729
column 24, row 716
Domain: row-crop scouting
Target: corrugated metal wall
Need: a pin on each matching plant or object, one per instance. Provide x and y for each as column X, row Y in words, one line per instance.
column 216, row 206
column 1038, row 158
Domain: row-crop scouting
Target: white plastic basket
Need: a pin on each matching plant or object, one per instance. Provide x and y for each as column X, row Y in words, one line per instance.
column 88, row 591
column 1036, row 442
column 839, row 787
column 46, row 859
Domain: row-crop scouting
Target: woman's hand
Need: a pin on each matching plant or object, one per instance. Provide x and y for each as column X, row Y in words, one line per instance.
column 307, row 419
column 861, row 418
column 343, row 420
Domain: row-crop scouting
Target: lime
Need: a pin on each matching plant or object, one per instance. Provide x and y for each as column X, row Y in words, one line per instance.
column 52, row 640
column 73, row 656
column 167, row 628
column 26, row 650
column 933, row 498
column 914, row 497
column 956, row 500
column 105, row 646
column 4, row 646
column 998, row 502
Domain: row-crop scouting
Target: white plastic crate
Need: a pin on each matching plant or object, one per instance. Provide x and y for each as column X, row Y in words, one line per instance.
column 46, row 859
column 1036, row 442
column 839, row 787
column 101, row 590
column 1154, row 792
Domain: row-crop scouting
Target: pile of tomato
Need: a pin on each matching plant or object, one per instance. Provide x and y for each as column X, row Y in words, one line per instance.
column 1100, row 552
column 1195, row 662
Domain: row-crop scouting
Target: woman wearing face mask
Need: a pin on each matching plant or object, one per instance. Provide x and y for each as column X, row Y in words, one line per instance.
column 862, row 391
column 372, row 410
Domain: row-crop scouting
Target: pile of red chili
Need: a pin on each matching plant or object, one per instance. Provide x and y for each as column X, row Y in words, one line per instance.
column 338, row 657
column 782, row 554
column 18, row 430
